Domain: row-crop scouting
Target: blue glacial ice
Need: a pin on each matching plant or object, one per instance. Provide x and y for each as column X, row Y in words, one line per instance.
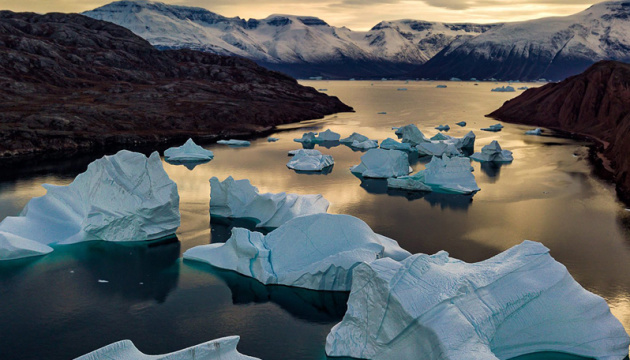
column 519, row 302
column 304, row 160
column 272, row 139
column 382, row 164
column 239, row 199
column 123, row 197
column 536, row 131
column 307, row 138
column 327, row 135
column 219, row 349
column 364, row 145
column 443, row 127
column 391, row 144
column 503, row 89
column 411, row 134
column 315, row 252
column 493, row 152
column 188, row 152
column 438, row 148
column 442, row 174
column 441, row 86
column 234, row 142
column 493, row 128
column 354, row 137
column 461, row 123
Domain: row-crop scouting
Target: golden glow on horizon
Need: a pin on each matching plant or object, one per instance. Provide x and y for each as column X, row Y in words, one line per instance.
column 357, row 15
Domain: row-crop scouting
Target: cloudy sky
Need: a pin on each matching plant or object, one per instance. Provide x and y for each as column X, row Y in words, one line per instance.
column 355, row 14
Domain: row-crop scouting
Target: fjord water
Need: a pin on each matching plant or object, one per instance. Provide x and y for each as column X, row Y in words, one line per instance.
column 55, row 307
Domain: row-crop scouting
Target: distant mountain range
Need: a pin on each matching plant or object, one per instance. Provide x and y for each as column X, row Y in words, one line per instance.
column 305, row 46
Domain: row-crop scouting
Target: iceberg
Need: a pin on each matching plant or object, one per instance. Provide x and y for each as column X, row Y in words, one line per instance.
column 327, row 135
column 272, row 139
column 438, row 148
column 536, row 131
column 411, row 134
column 493, row 128
column 441, row 86
column 493, row 152
column 461, row 123
column 503, row 89
column 391, row 144
column 307, row 161
column 310, row 152
column 188, row 152
column 315, row 252
column 307, row 137
column 442, row 174
column 240, row 199
column 379, row 163
column 519, row 302
column 523, row 88
column 234, row 142
column 354, row 137
column 443, row 128
column 219, row 349
column 415, row 182
column 364, row 145
column 123, row 197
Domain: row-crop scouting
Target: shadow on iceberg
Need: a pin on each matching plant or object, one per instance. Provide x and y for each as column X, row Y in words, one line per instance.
column 138, row 270
column 190, row 165
column 324, row 307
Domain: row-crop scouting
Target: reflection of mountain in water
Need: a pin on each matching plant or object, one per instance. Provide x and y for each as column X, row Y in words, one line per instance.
column 310, row 305
column 451, row 201
column 144, row 270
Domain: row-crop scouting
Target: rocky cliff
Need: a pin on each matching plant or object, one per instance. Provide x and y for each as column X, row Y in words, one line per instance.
column 595, row 103
column 69, row 83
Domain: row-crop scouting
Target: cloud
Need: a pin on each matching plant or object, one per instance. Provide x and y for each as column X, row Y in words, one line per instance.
column 472, row 4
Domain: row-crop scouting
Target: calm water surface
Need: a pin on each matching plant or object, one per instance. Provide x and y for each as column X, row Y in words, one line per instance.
column 53, row 307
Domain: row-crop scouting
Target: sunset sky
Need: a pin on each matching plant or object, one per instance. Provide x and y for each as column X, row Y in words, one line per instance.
column 355, row 14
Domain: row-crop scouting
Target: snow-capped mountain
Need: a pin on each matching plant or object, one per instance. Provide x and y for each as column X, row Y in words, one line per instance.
column 299, row 45
column 552, row 48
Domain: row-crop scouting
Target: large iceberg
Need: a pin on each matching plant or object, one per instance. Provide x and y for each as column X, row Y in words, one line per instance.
column 219, row 349
column 438, row 148
column 240, row 199
column 123, row 197
column 519, row 302
column 308, row 161
column 415, row 182
column 188, row 152
column 327, row 135
column 493, row 152
column 379, row 163
column 391, row 144
column 445, row 174
column 307, row 137
column 503, row 89
column 411, row 134
column 315, row 252
column 364, row 145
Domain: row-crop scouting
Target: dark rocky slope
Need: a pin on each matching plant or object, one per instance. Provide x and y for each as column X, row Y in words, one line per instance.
column 595, row 103
column 72, row 83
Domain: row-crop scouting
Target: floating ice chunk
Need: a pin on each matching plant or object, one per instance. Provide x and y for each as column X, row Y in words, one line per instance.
column 503, row 89
column 441, row 86
column 438, row 149
column 364, row 145
column 391, row 144
column 307, row 161
column 123, row 197
column 493, row 128
column 379, row 163
column 411, row 134
column 272, row 139
column 413, row 182
column 327, row 135
column 314, row 252
column 536, row 131
column 443, row 127
column 402, row 89
column 446, row 309
column 523, row 88
column 234, row 142
column 306, row 151
column 440, row 136
column 449, row 175
column 219, row 349
column 188, row 152
column 493, row 152
column 461, row 123
column 239, row 199
column 354, row 137
column 307, row 137
column 467, row 142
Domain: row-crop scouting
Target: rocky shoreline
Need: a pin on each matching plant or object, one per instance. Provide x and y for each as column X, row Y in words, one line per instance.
column 71, row 84
column 594, row 104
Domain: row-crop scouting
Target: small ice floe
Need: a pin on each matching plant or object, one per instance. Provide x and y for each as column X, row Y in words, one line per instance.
column 272, row 139
column 493, row 152
column 536, row 131
column 493, row 128
column 461, row 123
column 234, row 142
column 443, row 128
